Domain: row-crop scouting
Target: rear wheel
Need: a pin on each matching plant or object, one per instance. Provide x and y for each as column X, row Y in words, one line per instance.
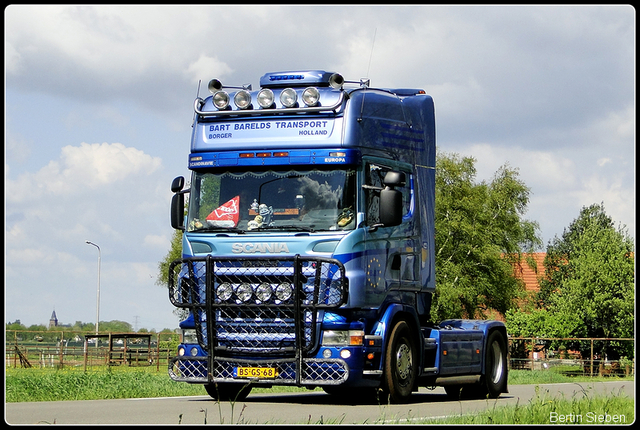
column 494, row 380
column 400, row 364
column 496, row 371
column 228, row 392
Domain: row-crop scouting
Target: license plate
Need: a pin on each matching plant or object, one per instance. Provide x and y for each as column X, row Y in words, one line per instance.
column 255, row 372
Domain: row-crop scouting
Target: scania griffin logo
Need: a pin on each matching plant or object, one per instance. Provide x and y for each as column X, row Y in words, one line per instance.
column 251, row 248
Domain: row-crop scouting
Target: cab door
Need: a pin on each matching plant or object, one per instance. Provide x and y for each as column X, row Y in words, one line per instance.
column 392, row 254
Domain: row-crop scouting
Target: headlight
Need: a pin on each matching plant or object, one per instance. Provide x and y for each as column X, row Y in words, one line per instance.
column 265, row 98
column 221, row 100
column 263, row 292
column 288, row 97
column 189, row 336
column 311, row 96
column 343, row 337
column 244, row 292
column 224, row 291
column 284, row 291
column 242, row 99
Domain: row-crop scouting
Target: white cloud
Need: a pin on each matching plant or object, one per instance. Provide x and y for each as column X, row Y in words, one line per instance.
column 82, row 169
column 205, row 67
column 157, row 241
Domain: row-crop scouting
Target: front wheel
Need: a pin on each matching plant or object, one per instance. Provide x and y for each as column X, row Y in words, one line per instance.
column 400, row 364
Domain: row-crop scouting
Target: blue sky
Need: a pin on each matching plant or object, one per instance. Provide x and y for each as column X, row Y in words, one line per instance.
column 99, row 104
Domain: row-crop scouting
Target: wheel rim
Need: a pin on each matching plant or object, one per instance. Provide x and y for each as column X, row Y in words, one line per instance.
column 497, row 369
column 404, row 364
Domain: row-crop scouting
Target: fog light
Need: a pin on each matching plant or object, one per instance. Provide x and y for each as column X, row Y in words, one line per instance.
column 193, row 351
column 288, row 97
column 326, row 353
column 345, row 353
column 181, row 351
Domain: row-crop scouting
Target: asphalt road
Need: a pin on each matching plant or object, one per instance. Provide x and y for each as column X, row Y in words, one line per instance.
column 312, row 407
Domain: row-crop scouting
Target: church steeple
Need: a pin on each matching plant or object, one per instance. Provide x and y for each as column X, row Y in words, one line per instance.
column 53, row 321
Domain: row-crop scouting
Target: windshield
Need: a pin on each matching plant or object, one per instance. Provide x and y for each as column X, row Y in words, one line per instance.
column 294, row 200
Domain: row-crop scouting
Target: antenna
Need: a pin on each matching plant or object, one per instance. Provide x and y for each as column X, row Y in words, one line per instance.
column 197, row 97
column 373, row 42
column 368, row 81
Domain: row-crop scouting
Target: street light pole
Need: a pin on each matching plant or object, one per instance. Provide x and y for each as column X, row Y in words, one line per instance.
column 98, row 295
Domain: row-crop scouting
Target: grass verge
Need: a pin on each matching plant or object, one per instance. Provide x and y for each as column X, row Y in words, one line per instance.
column 611, row 409
column 39, row 385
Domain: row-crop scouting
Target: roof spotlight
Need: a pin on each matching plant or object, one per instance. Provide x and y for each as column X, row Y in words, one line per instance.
column 311, row 96
column 221, row 100
column 288, row 97
column 265, row 98
column 242, row 99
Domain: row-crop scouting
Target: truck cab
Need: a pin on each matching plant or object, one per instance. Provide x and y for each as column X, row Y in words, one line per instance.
column 308, row 246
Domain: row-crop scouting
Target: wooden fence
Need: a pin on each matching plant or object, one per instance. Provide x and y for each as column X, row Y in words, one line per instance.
column 82, row 350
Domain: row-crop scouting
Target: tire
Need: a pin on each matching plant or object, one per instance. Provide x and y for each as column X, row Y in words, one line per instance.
column 400, row 364
column 228, row 392
column 496, row 369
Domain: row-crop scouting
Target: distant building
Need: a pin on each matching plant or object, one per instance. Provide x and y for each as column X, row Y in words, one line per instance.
column 53, row 321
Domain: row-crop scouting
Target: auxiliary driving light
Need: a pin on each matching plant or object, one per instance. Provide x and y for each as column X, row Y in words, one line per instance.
column 311, row 96
column 288, row 97
column 221, row 100
column 242, row 99
column 284, row 291
column 224, row 291
column 265, row 98
column 263, row 292
column 244, row 292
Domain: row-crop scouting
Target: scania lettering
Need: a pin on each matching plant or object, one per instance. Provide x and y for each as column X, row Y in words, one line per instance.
column 308, row 254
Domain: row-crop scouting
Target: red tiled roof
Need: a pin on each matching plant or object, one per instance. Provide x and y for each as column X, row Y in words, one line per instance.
column 528, row 274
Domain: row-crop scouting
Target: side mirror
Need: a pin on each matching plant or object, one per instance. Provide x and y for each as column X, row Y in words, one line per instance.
column 177, row 184
column 390, row 207
column 394, row 179
column 391, row 199
column 177, row 211
column 177, row 204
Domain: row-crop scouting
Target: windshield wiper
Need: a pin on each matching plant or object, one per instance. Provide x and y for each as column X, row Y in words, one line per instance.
column 219, row 230
column 285, row 227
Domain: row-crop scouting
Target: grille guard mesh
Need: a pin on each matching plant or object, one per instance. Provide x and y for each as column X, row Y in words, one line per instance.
column 229, row 325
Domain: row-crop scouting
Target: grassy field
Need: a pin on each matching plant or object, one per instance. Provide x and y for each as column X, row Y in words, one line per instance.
column 34, row 385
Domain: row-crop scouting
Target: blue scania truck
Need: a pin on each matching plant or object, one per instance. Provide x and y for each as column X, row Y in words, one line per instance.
column 308, row 246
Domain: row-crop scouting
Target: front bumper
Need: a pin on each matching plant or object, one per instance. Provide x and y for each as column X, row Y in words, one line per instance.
column 306, row 371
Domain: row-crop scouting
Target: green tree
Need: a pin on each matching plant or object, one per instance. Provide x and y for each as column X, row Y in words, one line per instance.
column 174, row 253
column 589, row 280
column 480, row 232
column 115, row 326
